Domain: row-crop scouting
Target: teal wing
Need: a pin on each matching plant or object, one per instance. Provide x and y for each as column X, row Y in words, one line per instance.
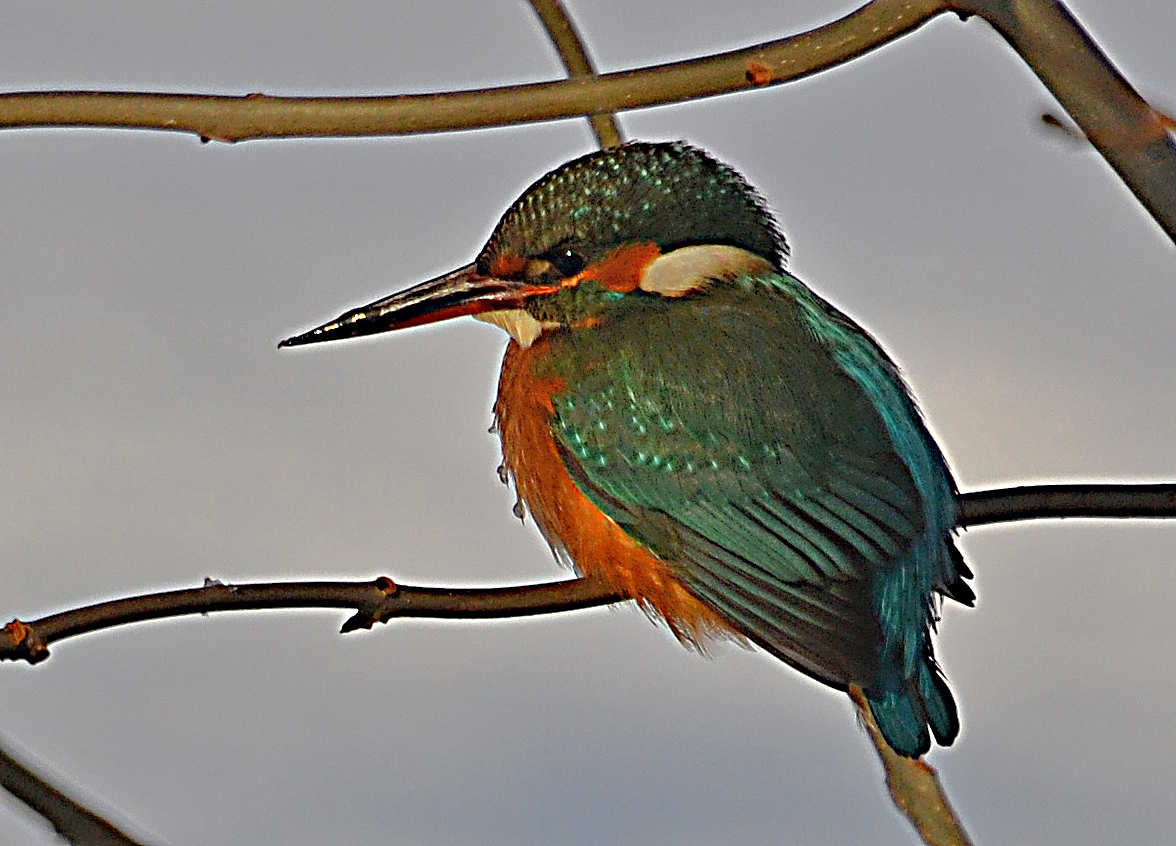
column 732, row 439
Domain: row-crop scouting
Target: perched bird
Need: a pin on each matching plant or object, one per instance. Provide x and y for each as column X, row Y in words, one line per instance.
column 691, row 424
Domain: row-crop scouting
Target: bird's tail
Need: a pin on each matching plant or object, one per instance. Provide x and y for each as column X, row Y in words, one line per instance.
column 923, row 702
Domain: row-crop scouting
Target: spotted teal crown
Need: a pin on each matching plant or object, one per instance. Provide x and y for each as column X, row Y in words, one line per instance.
column 669, row 194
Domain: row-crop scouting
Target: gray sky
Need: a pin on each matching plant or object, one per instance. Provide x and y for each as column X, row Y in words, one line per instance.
column 151, row 435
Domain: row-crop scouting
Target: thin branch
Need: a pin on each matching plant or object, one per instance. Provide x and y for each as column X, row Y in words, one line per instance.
column 72, row 821
column 238, row 118
column 914, row 786
column 376, row 601
column 574, row 55
column 1043, row 502
column 382, row 599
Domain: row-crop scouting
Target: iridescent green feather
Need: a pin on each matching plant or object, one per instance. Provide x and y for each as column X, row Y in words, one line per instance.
column 764, row 446
column 749, row 434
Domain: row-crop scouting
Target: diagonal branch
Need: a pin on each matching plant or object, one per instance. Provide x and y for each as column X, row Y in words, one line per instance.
column 1134, row 138
column 74, row 822
column 576, row 61
column 914, row 786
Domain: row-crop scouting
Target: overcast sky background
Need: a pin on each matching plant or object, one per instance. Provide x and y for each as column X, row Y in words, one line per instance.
column 152, row 435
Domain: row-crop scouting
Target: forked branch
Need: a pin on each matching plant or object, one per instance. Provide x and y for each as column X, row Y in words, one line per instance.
column 1134, row 138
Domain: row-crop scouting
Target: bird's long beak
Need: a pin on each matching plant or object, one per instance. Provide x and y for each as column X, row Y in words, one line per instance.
column 463, row 291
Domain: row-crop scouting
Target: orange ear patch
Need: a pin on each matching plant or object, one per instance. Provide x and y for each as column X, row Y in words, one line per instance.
column 622, row 269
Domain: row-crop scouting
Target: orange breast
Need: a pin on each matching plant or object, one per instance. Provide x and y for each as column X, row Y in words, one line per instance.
column 597, row 547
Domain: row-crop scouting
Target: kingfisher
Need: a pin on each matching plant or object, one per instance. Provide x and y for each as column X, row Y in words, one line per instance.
column 693, row 426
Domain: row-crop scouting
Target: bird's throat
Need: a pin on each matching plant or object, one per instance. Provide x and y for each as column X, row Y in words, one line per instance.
column 517, row 323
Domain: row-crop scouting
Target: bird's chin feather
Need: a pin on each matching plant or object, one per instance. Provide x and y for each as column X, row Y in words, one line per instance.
column 517, row 323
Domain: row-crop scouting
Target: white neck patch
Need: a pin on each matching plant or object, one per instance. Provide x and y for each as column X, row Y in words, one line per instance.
column 517, row 323
column 677, row 273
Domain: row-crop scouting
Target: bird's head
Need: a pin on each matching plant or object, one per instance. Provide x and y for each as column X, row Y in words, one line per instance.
column 644, row 219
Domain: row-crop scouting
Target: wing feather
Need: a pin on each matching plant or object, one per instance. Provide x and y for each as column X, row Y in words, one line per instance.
column 817, row 547
column 793, row 621
column 761, row 473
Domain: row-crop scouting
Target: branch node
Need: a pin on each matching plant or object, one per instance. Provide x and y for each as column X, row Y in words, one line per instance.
column 386, row 585
column 359, row 620
column 21, row 642
column 1063, row 128
column 758, row 73
column 376, row 611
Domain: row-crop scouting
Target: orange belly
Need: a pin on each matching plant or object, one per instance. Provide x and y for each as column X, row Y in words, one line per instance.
column 595, row 544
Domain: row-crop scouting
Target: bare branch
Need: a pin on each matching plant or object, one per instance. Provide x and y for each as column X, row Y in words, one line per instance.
column 382, row 599
column 1135, row 139
column 73, row 821
column 576, row 61
column 914, row 786
column 376, row 601
column 1042, row 502
column 238, row 118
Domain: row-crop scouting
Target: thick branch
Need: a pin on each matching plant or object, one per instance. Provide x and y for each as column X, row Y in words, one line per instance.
column 1134, row 138
column 224, row 118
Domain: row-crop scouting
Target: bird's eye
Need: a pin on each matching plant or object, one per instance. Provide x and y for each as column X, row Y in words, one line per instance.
column 566, row 261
